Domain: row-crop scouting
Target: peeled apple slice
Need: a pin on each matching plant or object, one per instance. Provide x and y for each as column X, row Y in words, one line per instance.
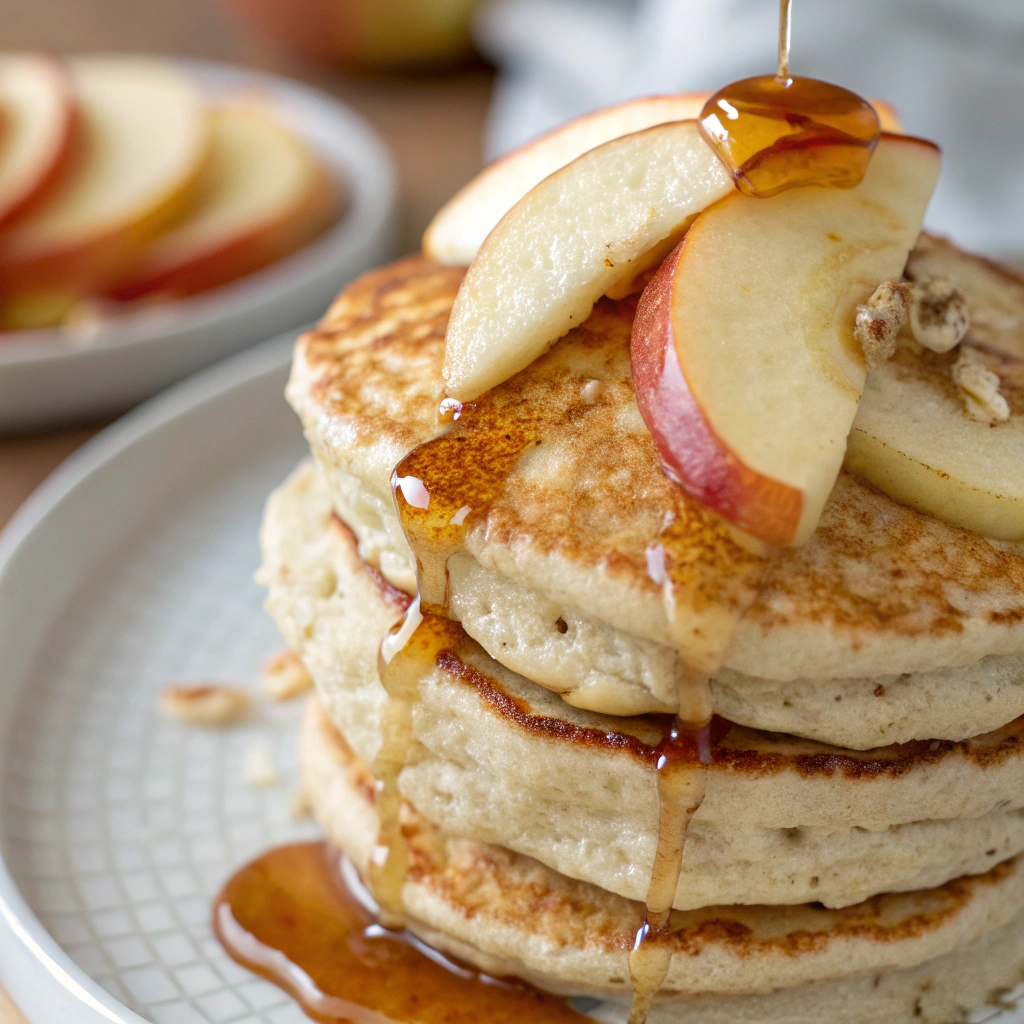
column 461, row 225
column 567, row 242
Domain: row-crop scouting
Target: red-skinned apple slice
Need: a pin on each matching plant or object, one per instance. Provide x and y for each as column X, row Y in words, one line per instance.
column 461, row 225
column 744, row 361
column 263, row 195
column 132, row 171
column 38, row 121
column 567, row 242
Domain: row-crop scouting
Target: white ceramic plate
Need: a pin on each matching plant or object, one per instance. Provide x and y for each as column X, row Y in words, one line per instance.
column 49, row 377
column 131, row 567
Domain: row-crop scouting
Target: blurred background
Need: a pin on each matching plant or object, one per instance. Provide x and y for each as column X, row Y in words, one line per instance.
column 953, row 68
column 432, row 123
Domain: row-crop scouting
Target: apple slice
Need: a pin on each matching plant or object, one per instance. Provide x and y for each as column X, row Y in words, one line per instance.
column 132, row 171
column 567, row 242
column 263, row 195
column 461, row 225
column 38, row 109
column 744, row 361
column 913, row 437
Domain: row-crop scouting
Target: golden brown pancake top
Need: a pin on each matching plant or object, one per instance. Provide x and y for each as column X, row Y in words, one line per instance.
column 593, row 492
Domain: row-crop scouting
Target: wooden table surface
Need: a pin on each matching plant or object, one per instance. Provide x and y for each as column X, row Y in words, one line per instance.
column 432, row 125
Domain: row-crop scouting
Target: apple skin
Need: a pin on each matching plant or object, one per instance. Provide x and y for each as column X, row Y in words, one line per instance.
column 47, row 173
column 87, row 265
column 80, row 264
column 240, row 254
column 708, row 469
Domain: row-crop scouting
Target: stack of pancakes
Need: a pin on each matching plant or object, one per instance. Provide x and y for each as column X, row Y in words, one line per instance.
column 857, row 855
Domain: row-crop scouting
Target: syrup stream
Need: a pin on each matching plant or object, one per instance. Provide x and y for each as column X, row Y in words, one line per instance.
column 784, row 36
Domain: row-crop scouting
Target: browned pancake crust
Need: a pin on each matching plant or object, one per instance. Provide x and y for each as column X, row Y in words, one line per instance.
column 737, row 749
column 514, row 890
column 874, row 565
column 384, row 335
column 377, row 357
column 873, row 568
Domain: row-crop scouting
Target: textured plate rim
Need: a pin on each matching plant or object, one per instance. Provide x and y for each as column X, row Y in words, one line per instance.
column 136, row 428
column 371, row 180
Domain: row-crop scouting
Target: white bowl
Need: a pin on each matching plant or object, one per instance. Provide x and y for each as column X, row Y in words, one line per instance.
column 50, row 377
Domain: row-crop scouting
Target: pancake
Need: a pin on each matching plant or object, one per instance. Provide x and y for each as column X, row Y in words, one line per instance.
column 879, row 594
column 930, row 955
column 501, row 759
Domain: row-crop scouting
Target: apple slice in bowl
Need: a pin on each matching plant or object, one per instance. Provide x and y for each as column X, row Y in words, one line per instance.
column 38, row 110
column 262, row 195
column 567, row 242
column 745, row 365
column 135, row 161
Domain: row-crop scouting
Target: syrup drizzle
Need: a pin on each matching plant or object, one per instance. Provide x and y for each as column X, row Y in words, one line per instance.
column 291, row 917
column 437, row 488
column 775, row 132
column 409, row 650
column 463, row 472
column 684, row 755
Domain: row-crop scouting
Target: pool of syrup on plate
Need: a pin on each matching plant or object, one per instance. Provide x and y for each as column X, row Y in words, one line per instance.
column 292, row 917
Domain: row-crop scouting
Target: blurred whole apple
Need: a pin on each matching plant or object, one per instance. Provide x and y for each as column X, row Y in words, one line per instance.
column 364, row 35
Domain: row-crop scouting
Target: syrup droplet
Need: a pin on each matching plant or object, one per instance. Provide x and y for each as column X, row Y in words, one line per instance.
column 449, row 411
column 465, row 470
column 775, row 132
column 291, row 917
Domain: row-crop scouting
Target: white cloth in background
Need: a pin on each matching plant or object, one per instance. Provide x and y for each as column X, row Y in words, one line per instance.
column 953, row 68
